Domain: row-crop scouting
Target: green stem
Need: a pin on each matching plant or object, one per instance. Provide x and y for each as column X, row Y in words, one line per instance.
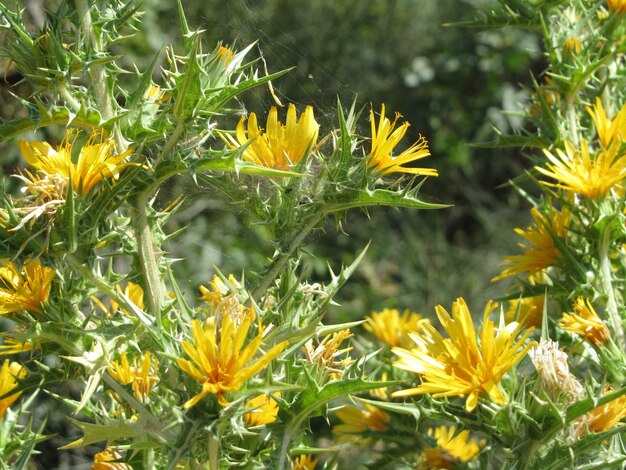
column 214, row 452
column 607, row 285
column 573, row 122
column 64, row 92
column 147, row 252
column 98, row 74
column 168, row 148
column 280, row 262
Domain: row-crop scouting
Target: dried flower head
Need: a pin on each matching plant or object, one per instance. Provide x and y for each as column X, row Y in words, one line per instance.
column 385, row 138
column 452, row 449
column 9, row 375
column 264, row 410
column 143, row 377
column 327, row 353
column 43, row 195
column 460, row 365
column 392, row 328
column 279, row 146
column 96, row 160
column 586, row 322
column 27, row 289
column 554, row 376
column 223, row 365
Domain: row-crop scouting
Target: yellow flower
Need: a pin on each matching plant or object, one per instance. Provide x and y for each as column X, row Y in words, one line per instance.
column 609, row 130
column 225, row 54
column 95, row 160
column 357, row 421
column 541, row 251
column 304, row 462
column 134, row 292
column 385, row 139
column 571, row 47
column 280, row 146
column 585, row 322
column 576, row 171
column 217, row 291
column 105, row 460
column 326, row 353
column 9, row 373
column 606, row 416
column 24, row 292
column 461, row 366
column 452, row 448
column 618, row 6
column 14, row 346
column 265, row 410
column 392, row 328
column 143, row 378
column 223, row 365
column 527, row 310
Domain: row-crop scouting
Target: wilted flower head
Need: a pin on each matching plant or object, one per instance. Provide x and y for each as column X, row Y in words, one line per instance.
column 223, row 365
column 265, row 410
column 580, row 172
column 96, row 160
column 106, row 460
column 540, row 249
column 385, row 138
column 554, row 375
column 9, row 375
column 358, row 421
column 586, row 322
column 43, row 195
column 461, row 365
column 143, row 377
column 392, row 328
column 452, row 448
column 327, row 353
column 279, row 146
column 27, row 291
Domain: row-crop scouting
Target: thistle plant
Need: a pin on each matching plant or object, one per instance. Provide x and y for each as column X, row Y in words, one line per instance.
column 245, row 371
column 231, row 375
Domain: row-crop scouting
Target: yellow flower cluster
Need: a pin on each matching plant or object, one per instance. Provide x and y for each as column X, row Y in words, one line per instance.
column 10, row 373
column 392, row 328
